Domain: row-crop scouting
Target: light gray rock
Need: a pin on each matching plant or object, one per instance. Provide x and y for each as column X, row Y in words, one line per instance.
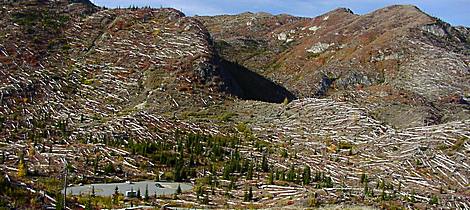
column 319, row 47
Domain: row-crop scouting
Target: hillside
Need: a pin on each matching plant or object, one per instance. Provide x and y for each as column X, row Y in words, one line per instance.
column 409, row 68
column 253, row 110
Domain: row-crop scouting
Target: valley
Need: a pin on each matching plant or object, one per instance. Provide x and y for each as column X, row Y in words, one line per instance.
column 243, row 111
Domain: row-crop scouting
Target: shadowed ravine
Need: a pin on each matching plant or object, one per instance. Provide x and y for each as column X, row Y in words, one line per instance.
column 249, row 85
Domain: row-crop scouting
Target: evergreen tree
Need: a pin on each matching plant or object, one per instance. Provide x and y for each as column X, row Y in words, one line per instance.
column 22, row 168
column 93, row 191
column 138, row 194
column 95, row 165
column 248, row 195
column 284, row 153
column 245, row 197
column 271, row 178
column 249, row 174
column 191, row 160
column 199, row 191
column 366, row 189
column 306, row 176
column 116, row 195
column 328, row 182
column 2, row 158
column 179, row 170
column 231, row 186
column 291, row 174
column 282, row 175
column 109, row 168
column 245, row 166
column 146, row 195
column 178, row 190
column 264, row 164
column 383, row 195
column 364, row 178
column 227, row 171
column 116, row 190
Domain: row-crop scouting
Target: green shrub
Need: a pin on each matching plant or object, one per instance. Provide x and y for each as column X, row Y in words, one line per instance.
column 345, row 145
column 434, row 200
column 88, row 81
column 226, row 116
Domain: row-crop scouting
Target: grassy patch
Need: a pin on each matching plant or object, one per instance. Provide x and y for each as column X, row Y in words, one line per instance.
column 226, row 116
column 14, row 196
column 459, row 144
column 313, row 55
column 199, row 114
column 40, row 18
column 50, row 184
column 88, row 81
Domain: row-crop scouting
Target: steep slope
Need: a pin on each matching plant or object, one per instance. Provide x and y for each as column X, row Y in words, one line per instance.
column 397, row 59
column 70, row 62
column 73, row 74
column 96, row 77
column 102, row 64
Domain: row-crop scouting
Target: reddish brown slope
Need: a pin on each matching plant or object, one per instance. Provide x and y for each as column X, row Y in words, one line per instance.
column 395, row 55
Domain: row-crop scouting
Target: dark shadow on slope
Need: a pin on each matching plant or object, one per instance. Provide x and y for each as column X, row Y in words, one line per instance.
column 249, row 85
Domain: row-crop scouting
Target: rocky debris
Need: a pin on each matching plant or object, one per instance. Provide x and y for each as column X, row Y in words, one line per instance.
column 315, row 28
column 352, row 79
column 282, row 37
column 435, row 29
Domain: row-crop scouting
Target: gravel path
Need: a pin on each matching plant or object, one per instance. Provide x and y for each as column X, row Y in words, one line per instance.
column 108, row 189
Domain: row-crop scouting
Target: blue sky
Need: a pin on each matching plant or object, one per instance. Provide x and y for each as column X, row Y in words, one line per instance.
column 456, row 12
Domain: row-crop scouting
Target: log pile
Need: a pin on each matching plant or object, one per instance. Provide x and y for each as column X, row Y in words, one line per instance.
column 343, row 141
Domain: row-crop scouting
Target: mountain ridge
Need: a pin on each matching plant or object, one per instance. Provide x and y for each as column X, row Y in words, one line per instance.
column 375, row 45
